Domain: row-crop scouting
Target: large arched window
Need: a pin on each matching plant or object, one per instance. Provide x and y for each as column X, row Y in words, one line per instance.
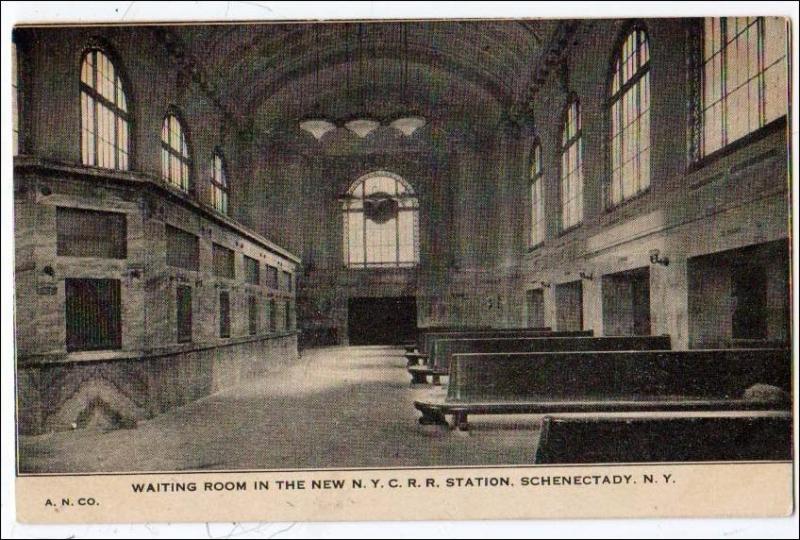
column 744, row 78
column 381, row 223
column 175, row 159
column 105, row 121
column 537, row 196
column 219, row 183
column 629, row 114
column 571, row 166
column 15, row 98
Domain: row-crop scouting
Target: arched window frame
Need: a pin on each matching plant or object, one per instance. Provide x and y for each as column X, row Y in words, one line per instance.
column 709, row 70
column 538, row 223
column 105, row 122
column 220, row 183
column 353, row 204
column 571, row 173
column 16, row 97
column 176, row 162
column 628, row 109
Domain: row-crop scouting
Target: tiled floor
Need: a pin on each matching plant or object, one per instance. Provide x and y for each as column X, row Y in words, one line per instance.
column 334, row 407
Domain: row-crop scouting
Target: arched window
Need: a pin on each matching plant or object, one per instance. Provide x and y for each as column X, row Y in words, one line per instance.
column 15, row 97
column 629, row 114
column 744, row 78
column 105, row 121
column 571, row 167
column 381, row 222
column 219, row 183
column 537, row 196
column 175, row 159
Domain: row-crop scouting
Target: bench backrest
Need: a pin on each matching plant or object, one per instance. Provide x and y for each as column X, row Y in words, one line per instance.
column 741, row 436
column 421, row 332
column 430, row 337
column 443, row 349
column 722, row 373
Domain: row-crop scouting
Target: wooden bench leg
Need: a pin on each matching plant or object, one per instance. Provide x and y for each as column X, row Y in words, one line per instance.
column 460, row 420
column 432, row 417
column 418, row 378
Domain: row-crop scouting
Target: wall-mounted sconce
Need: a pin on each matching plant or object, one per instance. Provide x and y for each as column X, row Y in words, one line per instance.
column 656, row 258
column 584, row 275
column 48, row 271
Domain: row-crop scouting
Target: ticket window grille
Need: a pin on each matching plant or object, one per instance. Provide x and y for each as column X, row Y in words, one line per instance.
column 252, row 316
column 273, row 319
column 183, row 249
column 224, row 314
column 287, row 281
column 90, row 233
column 223, row 259
column 93, row 314
column 272, row 277
column 252, row 270
column 184, row 313
column 288, row 315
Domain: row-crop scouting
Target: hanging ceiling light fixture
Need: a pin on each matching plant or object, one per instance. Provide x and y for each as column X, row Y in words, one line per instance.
column 316, row 125
column 408, row 124
column 361, row 124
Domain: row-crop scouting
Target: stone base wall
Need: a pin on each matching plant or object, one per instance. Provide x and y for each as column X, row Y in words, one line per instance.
column 116, row 393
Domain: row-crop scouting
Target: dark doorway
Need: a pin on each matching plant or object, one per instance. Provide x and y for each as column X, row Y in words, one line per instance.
column 535, row 300
column 569, row 306
column 740, row 297
column 381, row 321
column 626, row 303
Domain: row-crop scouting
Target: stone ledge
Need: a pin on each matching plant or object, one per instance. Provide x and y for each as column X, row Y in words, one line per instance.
column 148, row 181
column 38, row 360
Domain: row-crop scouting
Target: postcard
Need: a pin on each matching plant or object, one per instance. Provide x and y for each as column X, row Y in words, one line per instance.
column 383, row 269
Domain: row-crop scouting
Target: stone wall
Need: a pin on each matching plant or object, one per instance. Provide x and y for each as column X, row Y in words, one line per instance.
column 116, row 393
column 475, row 265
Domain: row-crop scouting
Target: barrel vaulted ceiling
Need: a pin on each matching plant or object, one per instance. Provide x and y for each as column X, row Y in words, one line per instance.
column 286, row 71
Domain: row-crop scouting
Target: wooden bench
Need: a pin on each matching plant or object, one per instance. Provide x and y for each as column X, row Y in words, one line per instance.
column 439, row 359
column 671, row 437
column 423, row 333
column 606, row 381
column 419, row 345
column 429, row 338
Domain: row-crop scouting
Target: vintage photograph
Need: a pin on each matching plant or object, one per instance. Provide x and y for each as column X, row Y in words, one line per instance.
column 261, row 246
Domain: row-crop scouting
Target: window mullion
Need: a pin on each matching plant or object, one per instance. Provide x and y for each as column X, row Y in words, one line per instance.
column 723, row 30
column 762, row 108
column 364, row 224
column 95, row 134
